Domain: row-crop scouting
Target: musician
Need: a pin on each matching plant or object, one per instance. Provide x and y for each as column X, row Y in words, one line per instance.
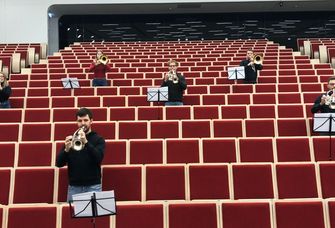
column 176, row 83
column 84, row 164
column 251, row 68
column 99, row 68
column 320, row 102
column 5, row 91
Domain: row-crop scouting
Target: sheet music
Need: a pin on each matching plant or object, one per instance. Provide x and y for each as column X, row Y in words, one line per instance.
column 80, row 203
column 236, row 73
column 105, row 203
column 158, row 94
column 322, row 122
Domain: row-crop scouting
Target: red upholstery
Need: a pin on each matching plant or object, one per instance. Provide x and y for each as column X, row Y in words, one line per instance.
column 5, row 179
column 115, row 153
column 35, row 154
column 327, row 177
column 293, row 149
column 182, row 151
column 256, row 150
column 146, row 152
column 213, row 151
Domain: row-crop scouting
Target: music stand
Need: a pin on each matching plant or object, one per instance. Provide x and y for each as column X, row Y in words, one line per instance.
column 325, row 123
column 92, row 205
column 235, row 73
column 158, row 94
column 70, row 83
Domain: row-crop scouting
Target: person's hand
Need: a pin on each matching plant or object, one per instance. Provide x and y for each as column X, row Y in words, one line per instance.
column 82, row 136
column 323, row 100
column 97, row 62
column 166, row 76
column 68, row 143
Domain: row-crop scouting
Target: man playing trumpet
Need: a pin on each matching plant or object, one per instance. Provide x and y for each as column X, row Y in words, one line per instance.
column 5, row 91
column 251, row 67
column 176, row 83
column 325, row 103
column 99, row 68
column 83, row 159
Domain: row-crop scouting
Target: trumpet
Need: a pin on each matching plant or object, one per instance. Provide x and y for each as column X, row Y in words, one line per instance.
column 330, row 99
column 103, row 59
column 77, row 144
column 257, row 59
column 172, row 76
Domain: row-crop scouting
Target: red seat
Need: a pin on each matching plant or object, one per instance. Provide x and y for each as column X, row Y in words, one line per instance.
column 296, row 181
column 227, row 128
column 292, row 127
column 146, row 152
column 195, row 129
column 254, row 214
column 327, row 177
column 209, row 182
column 253, row 128
column 293, row 149
column 122, row 114
column 264, row 98
column 137, row 101
column 205, row 112
column 331, row 209
column 171, row 187
column 164, row 129
column 115, row 153
column 213, row 153
column 7, row 154
column 253, row 181
column 234, row 112
column 321, row 149
column 242, row 88
column 287, row 98
column 150, row 113
column 32, row 216
column 137, row 216
column 36, row 132
column 5, row 179
column 234, row 99
column 290, row 111
column 256, row 150
column 37, row 115
column 262, row 111
column 61, row 102
column 125, row 181
column 178, row 113
column 114, row 101
column 28, row 180
column 35, row 154
column 213, row 99
column 191, row 99
column 37, row 102
column 10, row 115
column 182, row 151
column 307, row 214
column 132, row 130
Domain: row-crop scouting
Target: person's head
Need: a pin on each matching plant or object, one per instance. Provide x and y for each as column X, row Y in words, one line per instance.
column 84, row 118
column 331, row 83
column 250, row 54
column 173, row 65
column 99, row 54
column 3, row 79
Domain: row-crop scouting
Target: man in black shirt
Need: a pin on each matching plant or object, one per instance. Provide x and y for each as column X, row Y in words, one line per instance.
column 320, row 102
column 176, row 83
column 84, row 163
column 250, row 68
column 5, row 91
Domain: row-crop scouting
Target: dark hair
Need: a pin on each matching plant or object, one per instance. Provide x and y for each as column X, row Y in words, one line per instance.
column 331, row 78
column 83, row 112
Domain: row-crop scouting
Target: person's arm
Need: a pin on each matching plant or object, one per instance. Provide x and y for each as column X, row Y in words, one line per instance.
column 317, row 105
column 97, row 150
column 5, row 92
column 108, row 68
column 92, row 67
column 243, row 63
column 258, row 66
column 182, row 82
column 62, row 158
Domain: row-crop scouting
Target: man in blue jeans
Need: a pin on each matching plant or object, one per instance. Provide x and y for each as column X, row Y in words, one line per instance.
column 176, row 83
column 83, row 156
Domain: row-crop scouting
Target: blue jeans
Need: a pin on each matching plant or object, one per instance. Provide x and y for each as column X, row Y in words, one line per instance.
column 100, row 82
column 5, row 104
column 72, row 190
column 173, row 103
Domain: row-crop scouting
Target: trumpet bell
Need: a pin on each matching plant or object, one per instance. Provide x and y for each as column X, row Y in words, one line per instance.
column 258, row 59
column 77, row 144
column 103, row 59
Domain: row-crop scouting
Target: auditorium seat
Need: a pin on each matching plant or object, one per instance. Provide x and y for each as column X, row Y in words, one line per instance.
column 213, row 152
column 139, row 100
column 191, row 99
column 132, row 130
column 66, row 221
column 10, row 115
column 321, row 148
column 88, row 101
column 260, row 128
column 113, row 101
column 37, row 102
column 177, row 113
column 146, row 152
column 264, row 98
column 209, row 182
column 5, row 187
column 253, row 181
column 290, row 111
column 62, row 102
column 123, row 113
column 292, row 127
column 296, row 180
column 214, row 99
column 293, row 149
column 26, row 182
column 331, row 213
column 32, row 216
column 195, row 215
column 37, row 115
column 182, row 151
column 7, row 154
column 195, row 128
column 115, row 152
column 35, row 154
column 126, row 181
column 234, row 99
column 233, row 112
column 140, row 215
column 246, row 214
column 205, row 112
column 262, row 111
column 287, row 98
column 228, row 128
column 327, row 178
column 36, row 132
column 150, row 113
column 164, row 129
column 256, row 150
column 293, row 214
column 171, row 187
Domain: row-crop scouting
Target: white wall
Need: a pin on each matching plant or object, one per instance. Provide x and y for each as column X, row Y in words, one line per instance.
column 23, row 21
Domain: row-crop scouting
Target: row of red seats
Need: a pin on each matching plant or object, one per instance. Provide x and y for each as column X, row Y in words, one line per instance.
column 162, row 129
column 210, row 214
column 169, row 151
column 85, row 99
column 179, row 182
column 159, row 113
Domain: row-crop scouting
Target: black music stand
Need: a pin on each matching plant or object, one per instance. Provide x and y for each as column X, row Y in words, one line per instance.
column 235, row 73
column 158, row 94
column 92, row 205
column 70, row 83
column 325, row 123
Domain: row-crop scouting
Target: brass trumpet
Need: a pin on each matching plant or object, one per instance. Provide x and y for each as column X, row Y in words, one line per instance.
column 258, row 59
column 172, row 76
column 103, row 59
column 330, row 99
column 77, row 144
